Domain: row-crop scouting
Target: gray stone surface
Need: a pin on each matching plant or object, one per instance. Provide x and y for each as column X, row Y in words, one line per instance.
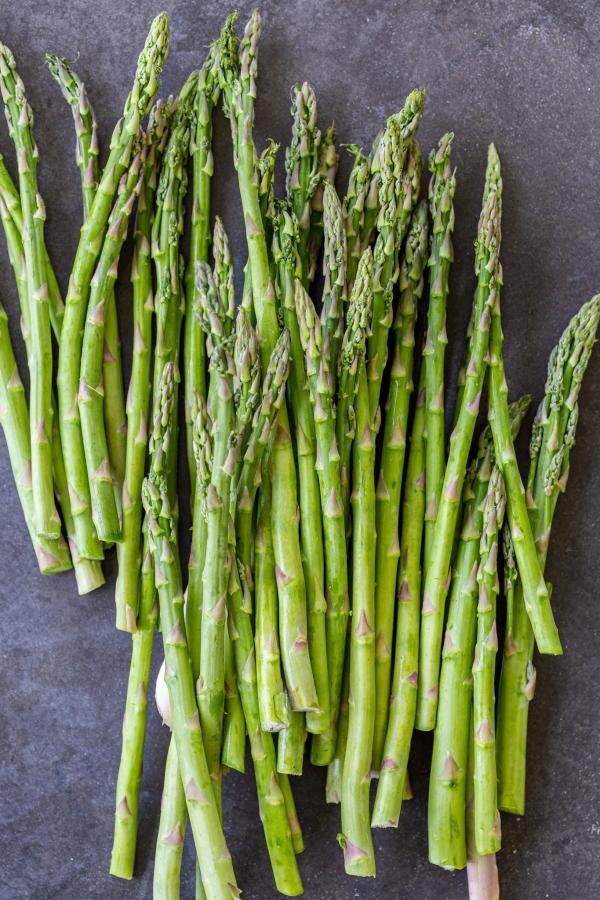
column 524, row 74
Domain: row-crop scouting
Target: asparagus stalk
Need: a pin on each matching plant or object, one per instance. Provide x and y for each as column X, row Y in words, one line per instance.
column 389, row 485
column 552, row 439
column 292, row 815
column 234, row 725
column 302, row 169
column 171, row 831
column 20, row 124
column 12, row 204
column 138, row 394
column 206, row 96
column 357, row 843
column 327, row 169
column 137, row 105
column 486, row 816
column 88, row 573
column 271, row 698
column 285, row 256
column 354, row 210
column 447, row 784
column 291, row 741
column 335, row 769
column 215, row 861
column 334, row 441
column 52, row 554
column 215, row 575
column 535, row 591
column 334, row 271
column 482, row 871
column 271, row 799
column 92, row 397
column 441, row 193
column 403, row 699
column 86, row 130
column 437, row 576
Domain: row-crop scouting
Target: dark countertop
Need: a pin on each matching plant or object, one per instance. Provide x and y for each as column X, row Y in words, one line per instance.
column 524, row 74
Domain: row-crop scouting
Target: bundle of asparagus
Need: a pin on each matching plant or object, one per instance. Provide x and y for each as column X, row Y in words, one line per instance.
column 331, row 523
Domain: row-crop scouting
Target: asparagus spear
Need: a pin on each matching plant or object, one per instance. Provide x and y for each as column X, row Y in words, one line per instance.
column 447, row 785
column 486, row 815
column 392, row 155
column 171, row 830
column 535, row 591
column 354, row 210
column 271, row 698
column 233, row 751
column 391, row 469
column 20, row 123
column 138, row 395
column 403, row 699
column 215, row 575
column 292, row 815
column 291, row 741
column 86, row 130
column 52, row 554
column 206, row 96
column 215, row 861
column 88, row 573
column 334, row 271
column 327, row 169
column 482, row 871
column 302, row 168
column 14, row 212
column 91, row 395
column 552, row 439
column 138, row 103
column 356, row 841
column 285, row 257
column 334, row 431
column 441, row 192
column 437, row 576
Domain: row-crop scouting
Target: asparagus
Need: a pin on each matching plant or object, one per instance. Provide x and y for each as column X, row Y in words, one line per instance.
column 92, row 396
column 357, row 843
column 358, row 321
column 535, row 591
column 12, row 203
column 215, row 576
column 437, row 576
column 335, row 430
column 403, row 699
column 86, row 130
column 271, row 698
column 292, row 815
column 327, row 169
column 171, row 831
column 441, row 193
column 271, row 799
column 238, row 84
column 552, row 439
column 20, row 124
column 482, row 871
column 233, row 751
column 138, row 102
column 486, row 815
column 291, row 741
column 334, row 271
column 52, row 554
column 215, row 861
column 285, row 242
column 138, row 395
column 354, row 209
column 389, row 485
column 206, row 96
column 335, row 769
column 447, row 787
column 302, row 168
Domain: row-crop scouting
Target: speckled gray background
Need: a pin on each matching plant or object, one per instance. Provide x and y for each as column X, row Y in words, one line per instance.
column 524, row 74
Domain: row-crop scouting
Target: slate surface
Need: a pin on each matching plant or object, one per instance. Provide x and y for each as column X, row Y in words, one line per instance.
column 524, row 74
